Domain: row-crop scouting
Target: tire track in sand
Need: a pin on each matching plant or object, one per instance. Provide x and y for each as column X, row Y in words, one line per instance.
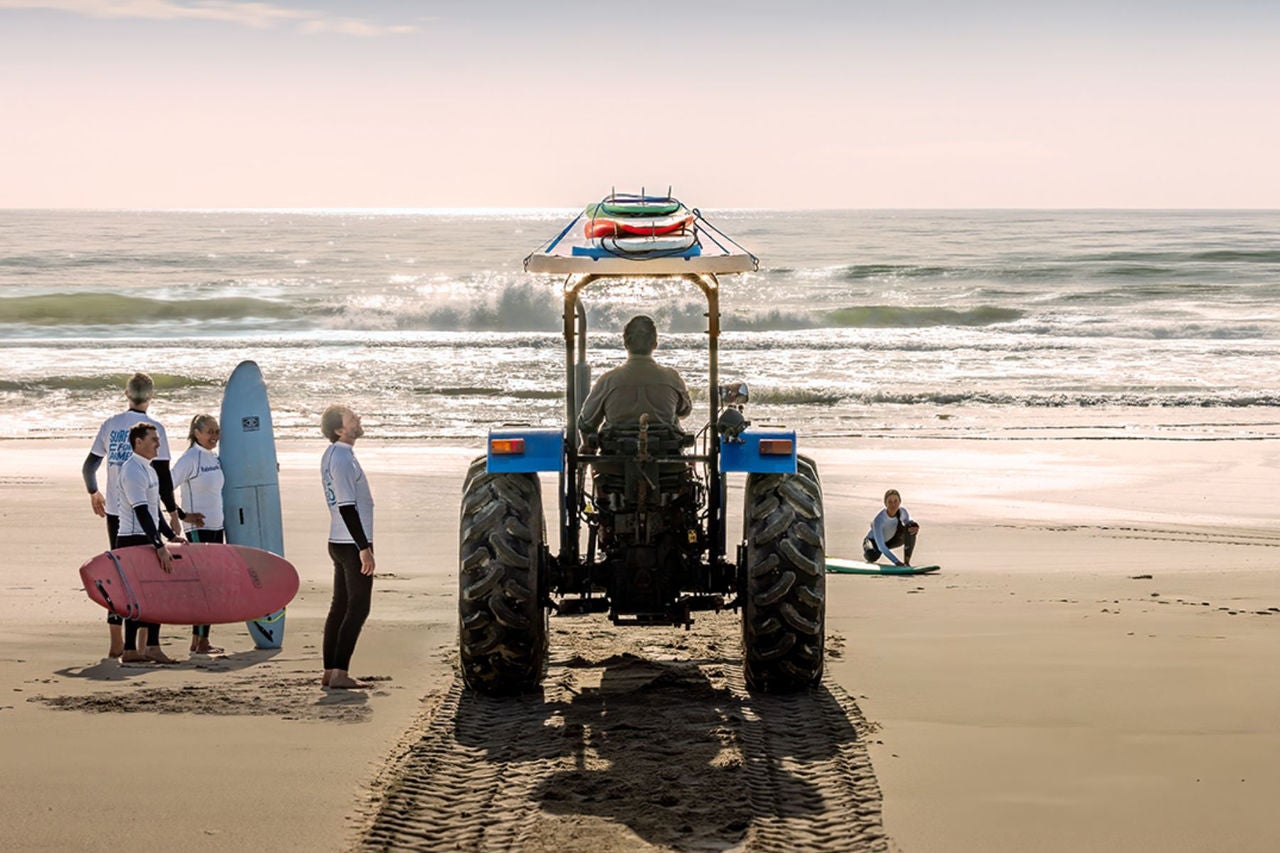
column 633, row 751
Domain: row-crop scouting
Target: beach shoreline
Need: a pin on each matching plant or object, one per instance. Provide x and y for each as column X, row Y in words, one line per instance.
column 1091, row 670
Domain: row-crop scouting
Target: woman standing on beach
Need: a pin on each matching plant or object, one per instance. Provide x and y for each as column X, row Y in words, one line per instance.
column 199, row 475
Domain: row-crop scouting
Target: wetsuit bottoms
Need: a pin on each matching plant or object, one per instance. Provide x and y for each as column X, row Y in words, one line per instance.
column 352, row 592
column 131, row 626
column 900, row 537
column 201, row 535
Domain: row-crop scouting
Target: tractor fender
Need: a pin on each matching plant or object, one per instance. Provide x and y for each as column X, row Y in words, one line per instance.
column 777, row 455
column 525, row 450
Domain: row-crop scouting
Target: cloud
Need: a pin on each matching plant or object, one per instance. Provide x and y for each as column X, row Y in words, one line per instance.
column 258, row 16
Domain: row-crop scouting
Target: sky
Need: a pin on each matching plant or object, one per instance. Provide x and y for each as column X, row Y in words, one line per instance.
column 510, row 103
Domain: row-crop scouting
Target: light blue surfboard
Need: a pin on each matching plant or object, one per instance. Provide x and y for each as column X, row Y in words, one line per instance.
column 251, row 484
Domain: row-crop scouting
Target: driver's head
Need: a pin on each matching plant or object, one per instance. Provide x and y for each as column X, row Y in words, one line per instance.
column 640, row 336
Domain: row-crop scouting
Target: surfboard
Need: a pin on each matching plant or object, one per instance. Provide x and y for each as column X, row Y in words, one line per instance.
column 836, row 565
column 210, row 584
column 621, row 226
column 251, row 482
column 623, row 205
column 608, row 247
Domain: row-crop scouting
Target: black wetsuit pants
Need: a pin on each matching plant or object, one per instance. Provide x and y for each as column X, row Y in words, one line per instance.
column 131, row 626
column 352, row 592
column 900, row 537
column 199, row 534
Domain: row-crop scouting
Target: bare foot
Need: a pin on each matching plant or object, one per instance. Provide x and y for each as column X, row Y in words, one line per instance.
column 324, row 679
column 117, row 640
column 346, row 682
column 156, row 655
column 206, row 648
column 133, row 657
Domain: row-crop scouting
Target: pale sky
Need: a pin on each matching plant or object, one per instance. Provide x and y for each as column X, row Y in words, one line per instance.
column 786, row 104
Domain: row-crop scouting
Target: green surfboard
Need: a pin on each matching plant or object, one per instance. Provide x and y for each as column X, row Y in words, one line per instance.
column 835, row 565
column 634, row 208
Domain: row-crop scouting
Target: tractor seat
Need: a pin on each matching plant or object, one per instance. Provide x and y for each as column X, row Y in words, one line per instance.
column 663, row 439
column 617, row 464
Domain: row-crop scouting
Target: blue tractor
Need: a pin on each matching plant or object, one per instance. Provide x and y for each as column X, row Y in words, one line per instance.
column 640, row 520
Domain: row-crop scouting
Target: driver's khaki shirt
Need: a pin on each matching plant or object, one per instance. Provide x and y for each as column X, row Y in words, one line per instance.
column 637, row 386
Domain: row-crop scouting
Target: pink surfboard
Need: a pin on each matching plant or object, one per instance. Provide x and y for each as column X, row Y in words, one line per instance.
column 600, row 226
column 210, row 584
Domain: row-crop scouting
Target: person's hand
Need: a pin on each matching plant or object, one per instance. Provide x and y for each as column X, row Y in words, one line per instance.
column 195, row 519
column 166, row 559
column 99, row 503
column 366, row 561
column 913, row 528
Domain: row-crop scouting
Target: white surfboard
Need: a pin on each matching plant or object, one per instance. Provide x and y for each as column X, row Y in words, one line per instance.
column 643, row 245
column 251, row 485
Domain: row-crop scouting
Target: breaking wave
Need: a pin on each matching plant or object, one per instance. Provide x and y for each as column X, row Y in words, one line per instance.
column 1136, row 399
column 104, row 382
column 114, row 309
column 892, row 316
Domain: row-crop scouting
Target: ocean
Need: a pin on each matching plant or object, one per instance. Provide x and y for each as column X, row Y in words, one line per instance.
column 877, row 323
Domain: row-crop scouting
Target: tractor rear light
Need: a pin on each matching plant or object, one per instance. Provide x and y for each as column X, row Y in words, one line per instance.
column 506, row 446
column 776, row 446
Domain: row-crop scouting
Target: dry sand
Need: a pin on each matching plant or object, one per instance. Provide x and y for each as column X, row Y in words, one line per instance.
column 1093, row 670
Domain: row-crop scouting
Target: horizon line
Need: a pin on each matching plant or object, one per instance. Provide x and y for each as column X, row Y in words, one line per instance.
column 561, row 209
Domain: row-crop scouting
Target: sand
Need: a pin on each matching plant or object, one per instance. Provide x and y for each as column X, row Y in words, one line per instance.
column 1094, row 669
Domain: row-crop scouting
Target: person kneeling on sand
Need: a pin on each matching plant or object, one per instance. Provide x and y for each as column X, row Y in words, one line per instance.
column 142, row 523
column 892, row 528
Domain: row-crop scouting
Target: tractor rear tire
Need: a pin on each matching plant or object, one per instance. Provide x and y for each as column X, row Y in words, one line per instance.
column 502, row 620
column 784, row 588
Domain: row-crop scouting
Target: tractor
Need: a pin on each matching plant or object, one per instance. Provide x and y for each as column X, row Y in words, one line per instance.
column 640, row 516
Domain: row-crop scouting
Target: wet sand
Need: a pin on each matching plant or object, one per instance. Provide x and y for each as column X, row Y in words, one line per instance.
column 1093, row 669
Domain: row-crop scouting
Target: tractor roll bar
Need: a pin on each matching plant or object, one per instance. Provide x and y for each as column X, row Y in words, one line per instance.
column 577, row 376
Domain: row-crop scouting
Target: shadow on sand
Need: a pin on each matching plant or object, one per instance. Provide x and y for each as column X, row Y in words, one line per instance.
column 676, row 752
column 110, row 669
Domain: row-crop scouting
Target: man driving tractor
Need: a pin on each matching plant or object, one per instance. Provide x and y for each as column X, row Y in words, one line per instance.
column 636, row 387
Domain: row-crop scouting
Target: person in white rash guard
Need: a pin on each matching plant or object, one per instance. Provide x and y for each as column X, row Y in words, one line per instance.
column 892, row 528
column 346, row 491
column 112, row 444
column 142, row 523
column 197, row 477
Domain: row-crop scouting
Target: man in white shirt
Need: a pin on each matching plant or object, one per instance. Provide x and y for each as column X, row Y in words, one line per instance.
column 346, row 491
column 112, row 444
column 141, row 523
column 638, row 386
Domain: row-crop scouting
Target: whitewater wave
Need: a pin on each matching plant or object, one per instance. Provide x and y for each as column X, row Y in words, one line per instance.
column 1135, row 399
column 486, row 391
column 903, row 317
column 796, row 397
